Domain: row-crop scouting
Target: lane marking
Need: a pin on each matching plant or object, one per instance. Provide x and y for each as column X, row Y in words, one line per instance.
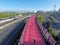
column 2, row 27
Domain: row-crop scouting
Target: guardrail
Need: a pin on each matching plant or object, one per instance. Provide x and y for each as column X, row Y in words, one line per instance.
column 47, row 36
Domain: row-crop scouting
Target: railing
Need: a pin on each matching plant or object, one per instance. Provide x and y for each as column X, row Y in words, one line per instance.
column 47, row 36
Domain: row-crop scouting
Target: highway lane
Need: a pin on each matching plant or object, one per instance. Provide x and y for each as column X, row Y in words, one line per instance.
column 10, row 23
column 1, row 24
column 9, row 32
column 5, row 22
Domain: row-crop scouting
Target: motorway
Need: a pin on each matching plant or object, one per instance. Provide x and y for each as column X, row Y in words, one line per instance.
column 9, row 31
column 1, row 24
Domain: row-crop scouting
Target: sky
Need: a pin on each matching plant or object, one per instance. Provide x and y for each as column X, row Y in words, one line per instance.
column 28, row 5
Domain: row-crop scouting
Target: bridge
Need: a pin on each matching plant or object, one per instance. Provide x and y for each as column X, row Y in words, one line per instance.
column 35, row 34
column 31, row 33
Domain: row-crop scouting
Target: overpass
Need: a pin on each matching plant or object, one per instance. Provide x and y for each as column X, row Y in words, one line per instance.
column 35, row 34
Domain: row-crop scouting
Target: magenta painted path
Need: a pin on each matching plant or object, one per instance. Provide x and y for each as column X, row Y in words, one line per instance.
column 32, row 34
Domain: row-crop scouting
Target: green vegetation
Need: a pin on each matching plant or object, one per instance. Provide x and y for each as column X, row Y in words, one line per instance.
column 52, row 18
column 54, row 33
column 7, row 15
column 41, row 17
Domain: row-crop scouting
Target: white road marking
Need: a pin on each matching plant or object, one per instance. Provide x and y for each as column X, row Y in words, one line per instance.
column 2, row 27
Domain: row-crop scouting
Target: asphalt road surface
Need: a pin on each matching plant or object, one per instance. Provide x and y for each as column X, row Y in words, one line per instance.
column 9, row 33
column 6, row 23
